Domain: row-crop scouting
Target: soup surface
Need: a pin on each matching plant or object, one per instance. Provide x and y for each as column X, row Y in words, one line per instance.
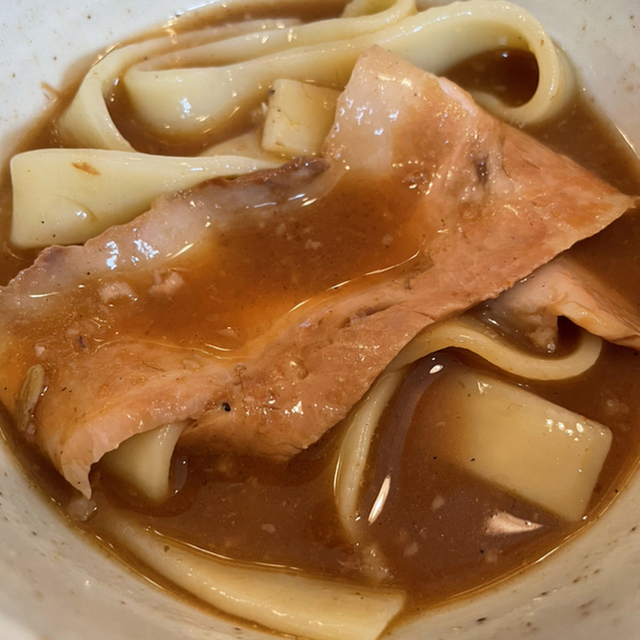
column 442, row 532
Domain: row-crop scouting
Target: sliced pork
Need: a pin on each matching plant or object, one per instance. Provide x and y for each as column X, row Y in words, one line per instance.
column 564, row 287
column 261, row 309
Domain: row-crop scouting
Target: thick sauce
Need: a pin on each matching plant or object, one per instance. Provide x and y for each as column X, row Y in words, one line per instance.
column 247, row 266
column 442, row 532
column 434, row 530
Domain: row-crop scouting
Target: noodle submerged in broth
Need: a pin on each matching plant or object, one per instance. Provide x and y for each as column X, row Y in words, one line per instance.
column 408, row 501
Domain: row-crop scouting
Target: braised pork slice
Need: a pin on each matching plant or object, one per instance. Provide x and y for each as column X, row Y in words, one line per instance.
column 564, row 287
column 261, row 309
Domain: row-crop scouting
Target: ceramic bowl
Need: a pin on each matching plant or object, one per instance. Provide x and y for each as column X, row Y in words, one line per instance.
column 55, row 585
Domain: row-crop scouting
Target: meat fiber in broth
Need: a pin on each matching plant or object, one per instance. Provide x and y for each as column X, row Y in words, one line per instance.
column 252, row 508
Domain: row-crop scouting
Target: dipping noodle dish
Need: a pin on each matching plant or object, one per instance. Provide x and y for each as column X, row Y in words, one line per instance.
column 322, row 320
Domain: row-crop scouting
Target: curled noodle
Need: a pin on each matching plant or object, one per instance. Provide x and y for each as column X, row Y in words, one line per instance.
column 197, row 88
column 433, row 40
column 470, row 334
column 87, row 120
column 464, row 333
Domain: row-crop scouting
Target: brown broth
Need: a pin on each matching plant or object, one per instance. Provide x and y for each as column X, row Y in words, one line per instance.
column 432, row 531
column 284, row 513
column 511, row 75
column 434, row 506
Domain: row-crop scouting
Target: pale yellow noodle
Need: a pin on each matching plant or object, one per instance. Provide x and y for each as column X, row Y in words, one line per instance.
column 66, row 196
column 354, row 448
column 144, row 460
column 88, row 123
column 286, row 601
column 464, row 333
column 470, row 334
column 434, row 40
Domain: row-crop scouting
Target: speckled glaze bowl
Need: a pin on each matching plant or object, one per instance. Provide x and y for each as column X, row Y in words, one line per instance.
column 55, row 585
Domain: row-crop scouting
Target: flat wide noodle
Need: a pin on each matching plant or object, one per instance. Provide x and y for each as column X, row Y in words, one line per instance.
column 198, row 88
column 519, row 441
column 354, row 447
column 87, row 121
column 283, row 600
column 470, row 334
column 82, row 192
column 144, row 460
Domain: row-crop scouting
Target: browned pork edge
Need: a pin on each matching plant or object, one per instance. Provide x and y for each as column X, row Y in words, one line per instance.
column 565, row 288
